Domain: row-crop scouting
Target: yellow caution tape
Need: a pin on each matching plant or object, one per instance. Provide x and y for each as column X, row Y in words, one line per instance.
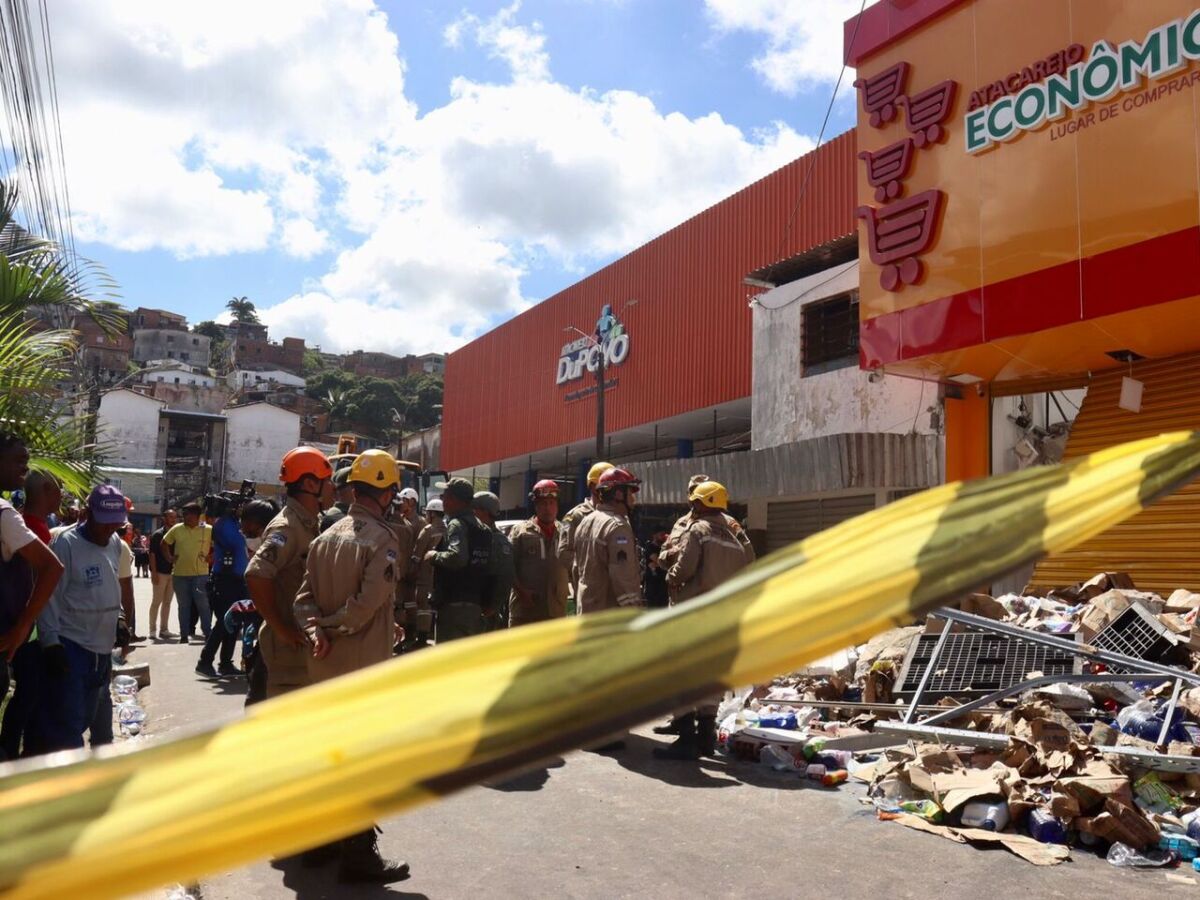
column 330, row 760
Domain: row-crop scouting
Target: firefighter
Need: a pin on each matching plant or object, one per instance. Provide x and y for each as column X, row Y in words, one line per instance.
column 345, row 606
column 274, row 574
column 670, row 549
column 570, row 522
column 709, row 555
column 461, row 565
column 540, row 587
column 430, row 536
column 606, row 553
column 405, row 516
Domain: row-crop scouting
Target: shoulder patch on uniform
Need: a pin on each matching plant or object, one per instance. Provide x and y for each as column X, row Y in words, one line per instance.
column 278, row 537
column 391, row 555
column 622, row 539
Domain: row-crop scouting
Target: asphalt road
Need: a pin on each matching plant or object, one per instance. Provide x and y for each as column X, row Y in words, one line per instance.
column 626, row 825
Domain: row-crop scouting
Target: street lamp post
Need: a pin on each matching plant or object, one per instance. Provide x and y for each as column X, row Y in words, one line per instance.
column 601, row 351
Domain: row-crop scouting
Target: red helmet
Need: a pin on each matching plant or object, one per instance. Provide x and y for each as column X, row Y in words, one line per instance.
column 544, row 488
column 618, row 478
column 304, row 461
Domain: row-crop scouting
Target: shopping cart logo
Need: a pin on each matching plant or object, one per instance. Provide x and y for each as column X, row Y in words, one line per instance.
column 901, row 229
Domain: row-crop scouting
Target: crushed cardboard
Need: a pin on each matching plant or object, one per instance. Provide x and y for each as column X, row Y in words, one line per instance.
column 1025, row 847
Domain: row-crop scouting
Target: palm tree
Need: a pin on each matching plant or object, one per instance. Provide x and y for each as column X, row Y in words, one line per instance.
column 243, row 310
column 38, row 279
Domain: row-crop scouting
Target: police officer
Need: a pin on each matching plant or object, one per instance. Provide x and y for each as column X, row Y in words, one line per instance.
column 540, row 586
column 343, row 496
column 486, row 507
column 274, row 574
column 570, row 522
column 411, row 517
column 345, row 606
column 430, row 536
column 605, row 547
column 709, row 555
column 461, row 565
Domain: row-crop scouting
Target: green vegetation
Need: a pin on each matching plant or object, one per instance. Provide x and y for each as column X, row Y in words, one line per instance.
column 379, row 407
column 35, row 275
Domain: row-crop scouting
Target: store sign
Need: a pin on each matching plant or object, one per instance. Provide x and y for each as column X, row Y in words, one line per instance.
column 584, row 354
column 902, row 228
column 1068, row 83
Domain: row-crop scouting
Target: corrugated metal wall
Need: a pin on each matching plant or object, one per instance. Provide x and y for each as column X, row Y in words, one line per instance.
column 1160, row 547
column 832, row 463
column 690, row 331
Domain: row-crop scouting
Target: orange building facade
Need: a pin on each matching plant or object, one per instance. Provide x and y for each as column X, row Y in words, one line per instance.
column 1029, row 206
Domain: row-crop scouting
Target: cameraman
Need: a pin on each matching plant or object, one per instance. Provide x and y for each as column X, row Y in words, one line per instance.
column 228, row 583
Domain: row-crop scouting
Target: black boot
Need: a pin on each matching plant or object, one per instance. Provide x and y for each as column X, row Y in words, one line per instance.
column 706, row 735
column 671, row 727
column 685, row 746
column 361, row 861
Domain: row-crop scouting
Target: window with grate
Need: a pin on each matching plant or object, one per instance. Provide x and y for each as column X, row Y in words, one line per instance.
column 829, row 334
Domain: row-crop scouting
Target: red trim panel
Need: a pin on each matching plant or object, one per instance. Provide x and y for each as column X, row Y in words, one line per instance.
column 1159, row 270
column 886, row 22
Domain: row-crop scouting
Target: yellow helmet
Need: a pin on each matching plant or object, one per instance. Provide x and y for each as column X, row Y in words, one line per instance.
column 375, row 467
column 711, row 494
column 596, row 471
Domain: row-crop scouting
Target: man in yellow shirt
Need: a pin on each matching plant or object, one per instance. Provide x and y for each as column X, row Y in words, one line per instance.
column 188, row 546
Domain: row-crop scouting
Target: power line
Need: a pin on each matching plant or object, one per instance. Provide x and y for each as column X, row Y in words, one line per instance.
column 820, row 140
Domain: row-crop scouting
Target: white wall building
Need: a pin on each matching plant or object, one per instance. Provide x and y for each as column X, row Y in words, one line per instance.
column 127, row 422
column 257, row 436
column 793, row 401
column 244, row 378
column 173, row 371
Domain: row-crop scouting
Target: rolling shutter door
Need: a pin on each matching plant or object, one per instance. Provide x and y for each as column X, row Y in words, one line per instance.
column 1159, row 547
column 793, row 520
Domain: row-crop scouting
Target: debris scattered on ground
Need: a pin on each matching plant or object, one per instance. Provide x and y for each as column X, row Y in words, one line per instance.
column 1052, row 781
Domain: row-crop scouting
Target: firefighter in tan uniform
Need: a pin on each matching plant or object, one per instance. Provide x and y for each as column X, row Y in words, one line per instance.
column 274, row 574
column 606, row 555
column 540, row 587
column 431, row 535
column 670, row 549
column 345, row 606
column 709, row 555
column 570, row 523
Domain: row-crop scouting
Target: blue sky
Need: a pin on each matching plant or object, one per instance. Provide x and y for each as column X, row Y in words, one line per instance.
column 438, row 167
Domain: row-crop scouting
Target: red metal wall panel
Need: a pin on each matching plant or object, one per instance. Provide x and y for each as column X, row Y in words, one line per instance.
column 690, row 332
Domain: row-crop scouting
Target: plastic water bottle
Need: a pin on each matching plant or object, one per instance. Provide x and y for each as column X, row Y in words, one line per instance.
column 988, row 815
column 125, row 685
column 130, row 717
column 1046, row 828
column 777, row 758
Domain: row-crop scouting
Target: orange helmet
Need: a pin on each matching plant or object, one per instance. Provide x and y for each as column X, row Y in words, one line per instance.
column 618, row 478
column 304, row 461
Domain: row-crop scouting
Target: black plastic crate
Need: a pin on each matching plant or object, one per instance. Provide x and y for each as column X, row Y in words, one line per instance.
column 975, row 663
column 1136, row 632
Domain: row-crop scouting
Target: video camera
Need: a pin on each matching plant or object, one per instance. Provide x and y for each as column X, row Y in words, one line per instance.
column 223, row 502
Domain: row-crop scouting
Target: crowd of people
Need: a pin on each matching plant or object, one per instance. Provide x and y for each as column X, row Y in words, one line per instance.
column 348, row 572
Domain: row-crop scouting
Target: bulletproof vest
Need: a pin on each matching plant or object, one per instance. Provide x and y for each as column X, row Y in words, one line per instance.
column 472, row 584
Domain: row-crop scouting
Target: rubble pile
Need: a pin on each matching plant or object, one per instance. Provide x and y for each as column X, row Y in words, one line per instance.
column 1075, row 764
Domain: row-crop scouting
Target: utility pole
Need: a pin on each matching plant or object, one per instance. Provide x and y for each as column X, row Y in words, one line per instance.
column 600, row 402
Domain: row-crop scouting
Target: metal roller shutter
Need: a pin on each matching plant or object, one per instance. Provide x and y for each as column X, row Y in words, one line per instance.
column 1160, row 547
column 793, row 520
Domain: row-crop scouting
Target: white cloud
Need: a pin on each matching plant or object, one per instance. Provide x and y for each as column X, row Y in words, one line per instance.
column 293, row 126
column 803, row 37
column 521, row 47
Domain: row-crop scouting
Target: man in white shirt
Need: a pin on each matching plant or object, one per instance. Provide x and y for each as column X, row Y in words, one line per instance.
column 25, row 585
column 79, row 624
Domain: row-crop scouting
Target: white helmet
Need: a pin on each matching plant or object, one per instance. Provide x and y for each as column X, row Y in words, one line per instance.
column 409, row 494
column 434, row 505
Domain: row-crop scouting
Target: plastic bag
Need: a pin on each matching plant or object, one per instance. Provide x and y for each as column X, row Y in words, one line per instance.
column 733, row 703
column 775, row 757
column 1123, row 856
